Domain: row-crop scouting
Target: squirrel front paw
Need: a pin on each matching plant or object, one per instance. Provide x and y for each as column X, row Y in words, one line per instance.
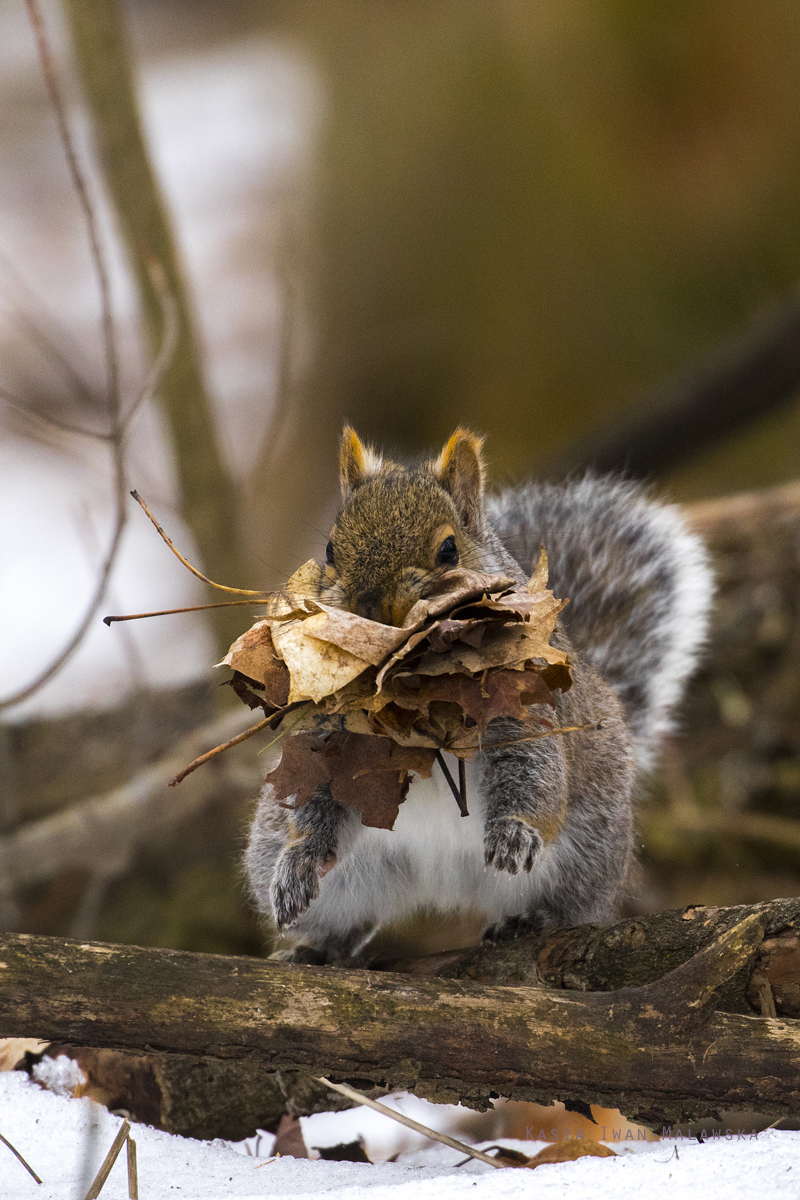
column 511, row 844
column 296, row 883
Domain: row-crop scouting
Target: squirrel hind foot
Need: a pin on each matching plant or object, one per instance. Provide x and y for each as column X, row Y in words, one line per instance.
column 508, row 929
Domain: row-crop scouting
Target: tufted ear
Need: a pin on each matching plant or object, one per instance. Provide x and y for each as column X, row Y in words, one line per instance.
column 356, row 461
column 461, row 472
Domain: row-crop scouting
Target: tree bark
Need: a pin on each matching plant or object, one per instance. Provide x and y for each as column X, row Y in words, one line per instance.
column 604, row 958
column 660, row 1052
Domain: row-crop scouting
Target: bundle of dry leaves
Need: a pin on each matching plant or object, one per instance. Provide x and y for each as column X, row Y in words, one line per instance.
column 371, row 702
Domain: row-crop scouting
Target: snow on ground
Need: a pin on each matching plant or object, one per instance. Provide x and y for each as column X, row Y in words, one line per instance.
column 65, row 1140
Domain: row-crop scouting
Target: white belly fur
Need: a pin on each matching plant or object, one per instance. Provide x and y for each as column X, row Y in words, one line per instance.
column 431, row 861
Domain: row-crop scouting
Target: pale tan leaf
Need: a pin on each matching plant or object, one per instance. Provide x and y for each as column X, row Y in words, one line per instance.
column 316, row 668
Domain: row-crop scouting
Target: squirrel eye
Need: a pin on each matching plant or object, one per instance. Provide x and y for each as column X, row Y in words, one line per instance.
column 448, row 552
column 329, row 555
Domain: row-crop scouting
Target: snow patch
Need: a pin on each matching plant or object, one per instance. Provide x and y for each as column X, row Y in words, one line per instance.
column 61, row 1075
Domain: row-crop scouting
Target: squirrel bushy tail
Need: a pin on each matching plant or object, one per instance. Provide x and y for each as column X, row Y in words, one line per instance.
column 638, row 584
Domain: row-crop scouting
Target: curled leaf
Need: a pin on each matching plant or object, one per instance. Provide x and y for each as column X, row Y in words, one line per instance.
column 382, row 699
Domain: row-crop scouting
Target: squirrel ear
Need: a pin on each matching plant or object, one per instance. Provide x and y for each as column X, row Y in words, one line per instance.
column 461, row 472
column 356, row 461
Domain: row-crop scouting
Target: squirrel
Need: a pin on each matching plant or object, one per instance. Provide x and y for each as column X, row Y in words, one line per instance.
column 549, row 841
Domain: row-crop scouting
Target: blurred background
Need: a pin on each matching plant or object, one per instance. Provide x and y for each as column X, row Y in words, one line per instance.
column 540, row 220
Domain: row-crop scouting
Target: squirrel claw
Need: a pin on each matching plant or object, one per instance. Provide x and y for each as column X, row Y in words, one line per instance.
column 295, row 884
column 511, row 845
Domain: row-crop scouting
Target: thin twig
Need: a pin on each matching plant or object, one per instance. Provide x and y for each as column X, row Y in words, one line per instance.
column 96, row 1186
column 199, row 574
column 55, row 422
column 169, row 344
column 16, row 1152
column 168, row 612
column 242, row 737
column 462, row 787
column 446, row 772
column 87, row 207
column 530, row 737
column 434, row 1134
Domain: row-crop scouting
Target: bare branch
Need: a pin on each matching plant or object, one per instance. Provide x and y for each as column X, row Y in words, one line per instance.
column 169, row 344
column 87, row 207
column 54, row 422
column 109, row 828
column 114, row 437
column 118, row 424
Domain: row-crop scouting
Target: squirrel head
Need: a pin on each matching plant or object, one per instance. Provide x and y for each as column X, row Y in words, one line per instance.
column 402, row 528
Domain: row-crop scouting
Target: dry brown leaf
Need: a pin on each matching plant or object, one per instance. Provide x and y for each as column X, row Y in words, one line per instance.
column 475, row 649
column 316, row 668
column 302, row 769
column 569, row 1150
column 253, row 655
column 369, row 773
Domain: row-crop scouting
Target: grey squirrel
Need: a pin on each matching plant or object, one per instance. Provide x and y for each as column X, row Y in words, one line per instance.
column 550, row 836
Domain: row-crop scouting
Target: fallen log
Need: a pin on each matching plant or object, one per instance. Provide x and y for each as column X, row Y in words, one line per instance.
column 637, row 951
column 660, row 1052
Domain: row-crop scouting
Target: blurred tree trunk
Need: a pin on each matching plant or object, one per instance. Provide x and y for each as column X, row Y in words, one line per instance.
column 493, row 245
column 208, row 496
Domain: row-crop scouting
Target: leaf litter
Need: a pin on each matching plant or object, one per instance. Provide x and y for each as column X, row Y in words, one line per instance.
column 370, row 703
column 379, row 701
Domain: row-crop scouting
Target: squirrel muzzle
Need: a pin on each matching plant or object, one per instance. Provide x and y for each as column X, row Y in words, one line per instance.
column 390, row 604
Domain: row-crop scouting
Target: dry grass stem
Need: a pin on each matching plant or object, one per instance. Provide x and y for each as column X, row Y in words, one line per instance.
column 96, row 1186
column 530, row 737
column 168, row 612
column 133, row 1171
column 433, row 1134
column 17, row 1154
column 199, row 574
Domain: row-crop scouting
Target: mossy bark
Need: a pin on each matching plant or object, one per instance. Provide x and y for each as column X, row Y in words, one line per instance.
column 660, row 1052
column 591, row 958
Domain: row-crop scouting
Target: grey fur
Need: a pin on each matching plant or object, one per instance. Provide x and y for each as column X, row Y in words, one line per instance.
column 638, row 583
column 550, row 836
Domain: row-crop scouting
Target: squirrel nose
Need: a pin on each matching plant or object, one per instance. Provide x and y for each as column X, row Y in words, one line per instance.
column 388, row 609
column 372, row 607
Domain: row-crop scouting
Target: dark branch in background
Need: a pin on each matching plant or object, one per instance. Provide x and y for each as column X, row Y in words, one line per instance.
column 208, row 497
column 748, row 376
